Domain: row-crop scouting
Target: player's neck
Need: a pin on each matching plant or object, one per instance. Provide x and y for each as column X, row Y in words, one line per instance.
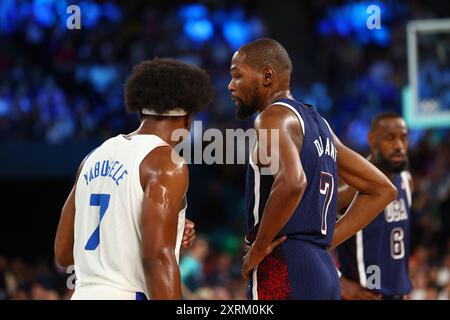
column 160, row 128
column 274, row 96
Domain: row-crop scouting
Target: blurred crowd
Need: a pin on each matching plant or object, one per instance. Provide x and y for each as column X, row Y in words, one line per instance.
column 58, row 86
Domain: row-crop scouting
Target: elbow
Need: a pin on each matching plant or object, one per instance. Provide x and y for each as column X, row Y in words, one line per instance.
column 390, row 192
column 294, row 185
column 63, row 259
column 158, row 260
column 393, row 193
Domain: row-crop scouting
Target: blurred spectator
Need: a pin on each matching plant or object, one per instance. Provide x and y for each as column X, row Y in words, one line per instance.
column 443, row 276
column 191, row 265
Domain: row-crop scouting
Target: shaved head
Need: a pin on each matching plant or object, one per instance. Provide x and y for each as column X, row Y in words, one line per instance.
column 383, row 115
column 388, row 140
column 259, row 70
column 266, row 52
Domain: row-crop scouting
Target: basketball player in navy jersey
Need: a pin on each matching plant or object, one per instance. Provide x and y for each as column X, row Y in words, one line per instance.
column 291, row 213
column 122, row 223
column 385, row 241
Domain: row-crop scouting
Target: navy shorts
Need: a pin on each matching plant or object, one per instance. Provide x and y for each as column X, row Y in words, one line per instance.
column 296, row 270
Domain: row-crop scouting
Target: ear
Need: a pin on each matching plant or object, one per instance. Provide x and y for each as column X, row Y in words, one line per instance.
column 268, row 74
column 187, row 121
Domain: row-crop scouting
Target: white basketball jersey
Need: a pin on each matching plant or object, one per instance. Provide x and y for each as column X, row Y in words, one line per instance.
column 108, row 202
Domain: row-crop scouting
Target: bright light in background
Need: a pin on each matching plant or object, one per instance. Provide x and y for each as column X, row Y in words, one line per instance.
column 199, row 30
column 197, row 25
column 238, row 29
column 48, row 13
column 43, row 13
column 236, row 33
column 192, row 11
column 91, row 13
column 349, row 20
column 6, row 16
column 357, row 133
column 381, row 36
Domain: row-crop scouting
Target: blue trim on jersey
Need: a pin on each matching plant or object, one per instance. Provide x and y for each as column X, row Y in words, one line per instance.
column 141, row 296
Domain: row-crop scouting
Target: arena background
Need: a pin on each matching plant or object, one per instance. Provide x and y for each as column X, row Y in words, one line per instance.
column 61, row 94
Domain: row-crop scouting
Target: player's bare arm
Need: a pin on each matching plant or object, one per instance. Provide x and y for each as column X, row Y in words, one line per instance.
column 165, row 185
column 65, row 233
column 345, row 197
column 289, row 181
column 347, row 193
column 351, row 290
column 375, row 192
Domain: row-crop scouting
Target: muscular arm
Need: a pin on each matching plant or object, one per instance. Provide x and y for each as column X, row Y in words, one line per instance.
column 347, row 193
column 165, row 184
column 345, row 197
column 63, row 247
column 374, row 192
column 289, row 181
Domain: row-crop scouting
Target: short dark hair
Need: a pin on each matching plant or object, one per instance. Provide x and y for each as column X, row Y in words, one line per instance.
column 163, row 84
column 266, row 52
column 384, row 115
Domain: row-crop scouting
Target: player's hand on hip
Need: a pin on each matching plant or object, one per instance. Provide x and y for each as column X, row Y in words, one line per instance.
column 188, row 234
column 254, row 256
column 351, row 290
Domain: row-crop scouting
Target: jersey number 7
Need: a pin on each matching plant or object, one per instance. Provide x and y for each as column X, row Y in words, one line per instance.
column 326, row 189
column 102, row 201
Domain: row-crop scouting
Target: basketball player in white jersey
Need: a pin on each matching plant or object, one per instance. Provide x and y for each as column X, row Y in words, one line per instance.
column 122, row 223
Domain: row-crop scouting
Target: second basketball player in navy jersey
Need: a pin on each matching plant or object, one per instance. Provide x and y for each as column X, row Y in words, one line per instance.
column 291, row 212
column 384, row 243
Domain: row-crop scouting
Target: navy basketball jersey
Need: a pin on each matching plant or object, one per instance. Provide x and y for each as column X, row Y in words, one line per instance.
column 314, row 218
column 384, row 243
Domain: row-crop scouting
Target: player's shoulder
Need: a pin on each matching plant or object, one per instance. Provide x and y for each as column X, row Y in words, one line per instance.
column 274, row 116
column 164, row 160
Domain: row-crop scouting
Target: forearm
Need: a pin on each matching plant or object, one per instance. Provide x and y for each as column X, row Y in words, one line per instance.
column 63, row 247
column 65, row 259
column 282, row 202
column 345, row 198
column 363, row 209
column 162, row 276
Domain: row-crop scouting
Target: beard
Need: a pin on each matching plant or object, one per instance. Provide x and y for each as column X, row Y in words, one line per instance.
column 387, row 165
column 245, row 110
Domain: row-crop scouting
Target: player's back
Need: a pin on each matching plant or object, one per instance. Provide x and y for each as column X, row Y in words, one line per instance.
column 108, row 202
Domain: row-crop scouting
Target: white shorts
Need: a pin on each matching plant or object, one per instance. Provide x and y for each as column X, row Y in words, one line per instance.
column 102, row 292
